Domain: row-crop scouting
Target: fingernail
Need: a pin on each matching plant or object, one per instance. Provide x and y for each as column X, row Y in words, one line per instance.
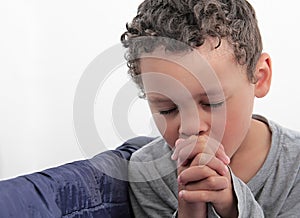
column 226, row 159
column 174, row 156
column 179, row 180
column 225, row 171
column 180, row 194
column 179, row 162
column 179, row 140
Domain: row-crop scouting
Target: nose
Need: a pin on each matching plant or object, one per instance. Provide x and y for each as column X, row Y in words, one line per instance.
column 193, row 123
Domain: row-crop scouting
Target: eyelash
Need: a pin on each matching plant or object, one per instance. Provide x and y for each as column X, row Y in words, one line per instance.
column 167, row 112
column 215, row 105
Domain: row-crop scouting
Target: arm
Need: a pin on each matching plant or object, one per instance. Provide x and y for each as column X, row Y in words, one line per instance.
column 151, row 194
column 153, row 181
column 247, row 206
column 282, row 201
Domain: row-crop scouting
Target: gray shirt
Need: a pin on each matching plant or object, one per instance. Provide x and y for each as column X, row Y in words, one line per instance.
column 273, row 192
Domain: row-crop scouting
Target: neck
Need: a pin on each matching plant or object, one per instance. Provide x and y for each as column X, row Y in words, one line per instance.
column 252, row 153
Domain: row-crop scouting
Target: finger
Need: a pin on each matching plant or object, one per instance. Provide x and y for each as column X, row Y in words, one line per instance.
column 193, row 156
column 181, row 143
column 210, row 161
column 212, row 183
column 218, row 149
column 188, row 149
column 201, row 196
column 195, row 173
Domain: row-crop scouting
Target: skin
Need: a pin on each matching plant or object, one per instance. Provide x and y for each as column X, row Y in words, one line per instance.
column 186, row 123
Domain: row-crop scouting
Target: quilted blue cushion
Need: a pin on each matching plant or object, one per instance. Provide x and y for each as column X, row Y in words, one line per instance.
column 78, row 189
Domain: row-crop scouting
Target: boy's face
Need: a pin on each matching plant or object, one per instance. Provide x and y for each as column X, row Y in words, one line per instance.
column 187, row 97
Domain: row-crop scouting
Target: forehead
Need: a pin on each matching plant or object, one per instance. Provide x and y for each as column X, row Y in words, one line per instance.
column 203, row 71
column 204, row 63
column 199, row 59
column 176, row 79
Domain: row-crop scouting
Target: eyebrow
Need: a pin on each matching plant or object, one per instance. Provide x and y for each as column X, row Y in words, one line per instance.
column 157, row 99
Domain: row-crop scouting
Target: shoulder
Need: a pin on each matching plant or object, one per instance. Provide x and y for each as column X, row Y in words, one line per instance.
column 151, row 162
column 284, row 154
column 283, row 139
column 286, row 169
column 152, row 150
column 287, row 139
column 285, row 150
column 280, row 167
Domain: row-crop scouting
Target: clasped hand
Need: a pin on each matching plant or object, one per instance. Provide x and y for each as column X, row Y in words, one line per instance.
column 203, row 174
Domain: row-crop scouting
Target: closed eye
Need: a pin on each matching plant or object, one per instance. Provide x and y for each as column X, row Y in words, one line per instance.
column 213, row 105
column 170, row 111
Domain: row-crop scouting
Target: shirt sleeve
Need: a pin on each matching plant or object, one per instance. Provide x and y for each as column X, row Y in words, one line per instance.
column 247, row 205
column 291, row 205
column 152, row 197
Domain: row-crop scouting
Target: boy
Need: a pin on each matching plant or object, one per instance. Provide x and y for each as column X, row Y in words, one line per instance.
column 200, row 65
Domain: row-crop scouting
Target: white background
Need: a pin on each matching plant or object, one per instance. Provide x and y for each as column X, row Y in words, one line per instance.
column 45, row 46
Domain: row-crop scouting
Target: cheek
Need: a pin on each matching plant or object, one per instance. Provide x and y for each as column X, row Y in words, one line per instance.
column 238, row 120
column 167, row 128
column 237, row 126
column 171, row 136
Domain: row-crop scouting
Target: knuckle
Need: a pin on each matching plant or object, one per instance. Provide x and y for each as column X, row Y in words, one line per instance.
column 211, row 182
column 217, row 183
column 181, row 154
column 205, row 159
column 206, row 171
column 201, row 140
column 183, row 177
column 225, row 182
column 203, row 196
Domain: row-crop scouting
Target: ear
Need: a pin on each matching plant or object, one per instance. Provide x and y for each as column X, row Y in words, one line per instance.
column 263, row 75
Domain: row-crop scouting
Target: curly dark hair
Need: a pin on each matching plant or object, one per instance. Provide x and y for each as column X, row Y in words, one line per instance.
column 191, row 22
